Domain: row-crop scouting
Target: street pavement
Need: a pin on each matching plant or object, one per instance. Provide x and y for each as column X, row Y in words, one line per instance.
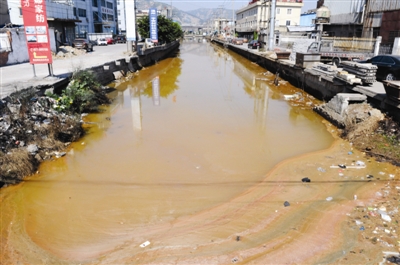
column 20, row 76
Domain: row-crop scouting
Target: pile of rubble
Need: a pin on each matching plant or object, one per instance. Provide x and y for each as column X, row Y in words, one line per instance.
column 32, row 131
column 351, row 72
column 366, row 72
column 68, row 52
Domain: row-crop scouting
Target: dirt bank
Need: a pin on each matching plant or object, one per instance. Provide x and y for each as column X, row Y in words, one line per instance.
column 35, row 127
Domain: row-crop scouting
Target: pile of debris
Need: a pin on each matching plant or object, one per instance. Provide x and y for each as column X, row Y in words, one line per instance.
column 351, row 72
column 68, row 52
column 366, row 72
column 32, row 131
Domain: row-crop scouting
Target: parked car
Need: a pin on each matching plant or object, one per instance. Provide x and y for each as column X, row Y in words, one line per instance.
column 388, row 66
column 254, row 44
column 237, row 41
column 110, row 41
column 102, row 41
column 79, row 43
column 120, row 39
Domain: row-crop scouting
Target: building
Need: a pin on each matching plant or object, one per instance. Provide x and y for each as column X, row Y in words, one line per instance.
column 96, row 16
column 364, row 18
column 346, row 19
column 60, row 18
column 254, row 18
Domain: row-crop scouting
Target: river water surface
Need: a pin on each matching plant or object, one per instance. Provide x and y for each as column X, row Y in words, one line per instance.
column 183, row 159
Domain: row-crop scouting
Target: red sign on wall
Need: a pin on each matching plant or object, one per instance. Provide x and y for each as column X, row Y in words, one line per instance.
column 36, row 31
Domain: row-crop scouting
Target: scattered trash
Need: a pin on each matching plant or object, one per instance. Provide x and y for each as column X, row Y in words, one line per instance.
column 237, row 238
column 391, row 175
column 320, row 169
column 386, row 217
column 355, row 197
column 358, row 222
column 360, row 163
column 344, row 166
column 329, row 199
column 350, row 153
column 234, row 260
column 145, row 244
column 362, row 228
column 286, row 204
column 369, row 176
column 394, row 259
column 305, row 180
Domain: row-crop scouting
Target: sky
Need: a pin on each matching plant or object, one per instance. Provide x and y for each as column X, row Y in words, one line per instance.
column 187, row 5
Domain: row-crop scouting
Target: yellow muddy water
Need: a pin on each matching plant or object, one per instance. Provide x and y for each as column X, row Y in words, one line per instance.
column 194, row 159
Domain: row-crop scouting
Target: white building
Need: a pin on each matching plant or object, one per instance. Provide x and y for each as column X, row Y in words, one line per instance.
column 255, row 17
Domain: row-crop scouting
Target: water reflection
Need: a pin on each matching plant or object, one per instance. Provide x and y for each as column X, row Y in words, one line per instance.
column 156, row 91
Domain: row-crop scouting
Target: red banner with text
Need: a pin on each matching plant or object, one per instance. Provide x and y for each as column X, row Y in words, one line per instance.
column 36, row 31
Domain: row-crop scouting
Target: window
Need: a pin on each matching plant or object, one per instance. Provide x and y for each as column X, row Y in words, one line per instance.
column 118, row 2
column 287, row 22
column 103, row 3
column 278, row 11
column 119, row 22
column 119, row 12
column 75, row 11
column 94, row 3
column 104, row 17
column 289, row 11
column 96, row 16
column 81, row 12
column 110, row 18
column 109, row 5
column 387, row 60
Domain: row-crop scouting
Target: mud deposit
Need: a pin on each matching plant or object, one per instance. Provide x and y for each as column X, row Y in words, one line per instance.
column 192, row 166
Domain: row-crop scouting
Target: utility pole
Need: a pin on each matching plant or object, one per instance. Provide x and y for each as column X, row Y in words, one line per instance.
column 233, row 20
column 272, row 26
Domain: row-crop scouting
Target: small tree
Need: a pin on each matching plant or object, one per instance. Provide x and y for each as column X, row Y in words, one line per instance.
column 168, row 30
column 255, row 35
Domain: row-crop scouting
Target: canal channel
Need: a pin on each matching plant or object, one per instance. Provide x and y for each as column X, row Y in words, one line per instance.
column 192, row 163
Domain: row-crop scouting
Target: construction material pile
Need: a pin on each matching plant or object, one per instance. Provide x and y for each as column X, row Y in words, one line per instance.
column 364, row 71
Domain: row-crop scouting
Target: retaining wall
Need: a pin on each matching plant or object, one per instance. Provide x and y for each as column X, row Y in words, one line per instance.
column 319, row 86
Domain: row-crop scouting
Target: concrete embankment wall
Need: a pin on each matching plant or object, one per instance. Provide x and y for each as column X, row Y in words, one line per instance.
column 321, row 87
column 111, row 71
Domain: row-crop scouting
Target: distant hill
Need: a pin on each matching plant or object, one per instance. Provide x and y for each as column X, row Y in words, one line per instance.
column 198, row 17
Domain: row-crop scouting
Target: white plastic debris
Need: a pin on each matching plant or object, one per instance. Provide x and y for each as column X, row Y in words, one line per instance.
column 360, row 163
column 329, row 199
column 386, row 217
column 145, row 244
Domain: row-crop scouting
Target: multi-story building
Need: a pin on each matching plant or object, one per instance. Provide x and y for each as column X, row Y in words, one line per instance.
column 364, row 18
column 60, row 18
column 255, row 17
column 96, row 16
